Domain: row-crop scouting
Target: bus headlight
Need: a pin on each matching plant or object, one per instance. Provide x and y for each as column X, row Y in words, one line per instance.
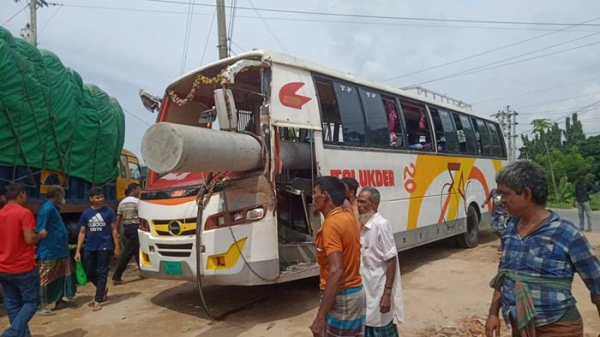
column 255, row 214
column 144, row 225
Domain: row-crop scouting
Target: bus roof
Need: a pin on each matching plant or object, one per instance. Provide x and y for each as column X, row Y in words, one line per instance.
column 291, row 61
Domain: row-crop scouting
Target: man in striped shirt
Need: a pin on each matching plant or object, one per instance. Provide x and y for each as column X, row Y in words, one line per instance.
column 541, row 255
column 127, row 217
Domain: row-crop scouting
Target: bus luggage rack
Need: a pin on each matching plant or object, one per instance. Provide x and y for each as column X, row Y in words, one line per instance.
column 437, row 96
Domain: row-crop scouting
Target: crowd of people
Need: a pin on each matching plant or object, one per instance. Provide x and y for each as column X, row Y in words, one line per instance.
column 37, row 272
column 360, row 281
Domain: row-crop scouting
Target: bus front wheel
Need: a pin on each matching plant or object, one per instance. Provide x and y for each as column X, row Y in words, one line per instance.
column 470, row 238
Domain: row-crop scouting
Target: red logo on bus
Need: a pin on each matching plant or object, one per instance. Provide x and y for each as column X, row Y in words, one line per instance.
column 288, row 96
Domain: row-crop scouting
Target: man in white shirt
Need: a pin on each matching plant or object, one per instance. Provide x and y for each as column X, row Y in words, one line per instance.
column 379, row 268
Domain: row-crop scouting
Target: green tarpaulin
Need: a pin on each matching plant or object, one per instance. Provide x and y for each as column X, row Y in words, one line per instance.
column 50, row 119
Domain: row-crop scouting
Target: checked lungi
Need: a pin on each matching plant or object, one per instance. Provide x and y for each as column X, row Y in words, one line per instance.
column 348, row 316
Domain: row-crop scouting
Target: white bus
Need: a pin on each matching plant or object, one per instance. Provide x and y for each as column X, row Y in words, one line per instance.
column 283, row 122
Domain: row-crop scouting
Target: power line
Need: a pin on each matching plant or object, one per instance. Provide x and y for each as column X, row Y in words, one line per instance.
column 487, row 52
column 15, row 15
column 212, row 21
column 269, row 29
column 186, row 39
column 231, row 22
column 588, row 108
column 48, row 22
column 135, row 116
column 238, row 46
column 560, row 100
column 446, row 26
column 486, row 68
column 388, row 17
column 536, row 91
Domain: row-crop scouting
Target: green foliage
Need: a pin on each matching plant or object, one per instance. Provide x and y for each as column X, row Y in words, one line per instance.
column 563, row 154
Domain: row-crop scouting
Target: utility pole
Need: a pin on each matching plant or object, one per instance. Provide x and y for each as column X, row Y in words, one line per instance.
column 222, row 29
column 29, row 33
column 508, row 122
column 33, row 14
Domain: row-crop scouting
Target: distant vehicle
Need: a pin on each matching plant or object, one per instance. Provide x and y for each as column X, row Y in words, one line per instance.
column 248, row 135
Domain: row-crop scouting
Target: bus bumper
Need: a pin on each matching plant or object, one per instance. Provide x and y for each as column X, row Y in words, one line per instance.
column 167, row 258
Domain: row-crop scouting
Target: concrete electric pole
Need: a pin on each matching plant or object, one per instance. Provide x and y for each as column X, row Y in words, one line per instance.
column 29, row 33
column 508, row 122
column 222, row 29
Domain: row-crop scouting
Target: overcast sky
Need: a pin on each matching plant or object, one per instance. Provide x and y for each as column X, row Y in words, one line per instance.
column 141, row 46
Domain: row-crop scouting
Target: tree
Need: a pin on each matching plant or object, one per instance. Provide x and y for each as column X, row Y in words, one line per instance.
column 573, row 133
column 590, row 147
column 540, row 127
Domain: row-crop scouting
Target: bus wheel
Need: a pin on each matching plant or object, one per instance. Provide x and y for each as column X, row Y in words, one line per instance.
column 470, row 239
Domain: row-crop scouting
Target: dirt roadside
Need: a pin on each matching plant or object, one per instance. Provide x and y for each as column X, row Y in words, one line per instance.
column 445, row 291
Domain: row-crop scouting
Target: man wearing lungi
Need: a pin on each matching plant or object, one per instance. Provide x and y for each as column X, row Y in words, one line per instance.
column 342, row 311
column 541, row 255
column 379, row 268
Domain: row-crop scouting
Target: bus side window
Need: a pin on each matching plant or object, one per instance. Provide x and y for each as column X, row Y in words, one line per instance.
column 484, row 137
column 497, row 148
column 471, row 139
column 394, row 121
column 460, row 133
column 330, row 113
column 445, row 133
column 417, row 126
column 377, row 118
column 353, row 118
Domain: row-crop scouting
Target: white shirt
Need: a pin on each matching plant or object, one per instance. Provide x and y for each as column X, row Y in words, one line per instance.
column 377, row 246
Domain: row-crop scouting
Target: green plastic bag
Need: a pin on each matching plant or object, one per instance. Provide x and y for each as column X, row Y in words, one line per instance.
column 81, row 275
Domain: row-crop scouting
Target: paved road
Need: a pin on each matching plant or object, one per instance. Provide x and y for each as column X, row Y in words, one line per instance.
column 571, row 215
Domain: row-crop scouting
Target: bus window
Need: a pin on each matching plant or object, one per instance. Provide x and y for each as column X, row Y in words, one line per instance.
column 484, row 137
column 445, row 134
column 460, row 133
column 417, row 126
column 497, row 146
column 471, row 140
column 375, row 113
column 330, row 113
column 134, row 170
column 353, row 119
column 123, row 167
column 394, row 122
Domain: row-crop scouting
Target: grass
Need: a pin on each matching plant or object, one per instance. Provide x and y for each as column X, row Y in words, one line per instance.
column 595, row 203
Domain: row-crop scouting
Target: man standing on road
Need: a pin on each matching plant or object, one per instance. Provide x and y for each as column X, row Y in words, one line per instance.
column 18, row 273
column 583, row 189
column 499, row 215
column 541, row 255
column 99, row 225
column 57, row 275
column 127, row 216
column 379, row 269
column 342, row 308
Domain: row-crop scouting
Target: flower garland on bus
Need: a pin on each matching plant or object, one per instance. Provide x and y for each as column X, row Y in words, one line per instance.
column 201, row 79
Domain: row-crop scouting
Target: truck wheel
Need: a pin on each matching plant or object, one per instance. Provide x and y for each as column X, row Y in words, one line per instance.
column 470, row 239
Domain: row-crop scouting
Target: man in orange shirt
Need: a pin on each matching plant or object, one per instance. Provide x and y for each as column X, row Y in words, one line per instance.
column 342, row 311
column 18, row 272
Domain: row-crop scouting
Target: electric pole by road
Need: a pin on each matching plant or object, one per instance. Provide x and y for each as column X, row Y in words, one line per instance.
column 508, row 122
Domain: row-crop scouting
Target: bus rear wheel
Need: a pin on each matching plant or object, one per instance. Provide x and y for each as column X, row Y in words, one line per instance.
column 470, row 238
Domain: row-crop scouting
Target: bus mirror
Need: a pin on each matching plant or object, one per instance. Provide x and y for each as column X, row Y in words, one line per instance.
column 150, row 102
column 208, row 116
column 226, row 111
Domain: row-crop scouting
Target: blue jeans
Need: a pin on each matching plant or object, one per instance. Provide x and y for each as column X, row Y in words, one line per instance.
column 96, row 267
column 21, row 298
column 583, row 208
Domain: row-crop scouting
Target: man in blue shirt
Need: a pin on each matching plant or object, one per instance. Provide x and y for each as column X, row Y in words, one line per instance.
column 98, row 224
column 57, row 275
column 541, row 255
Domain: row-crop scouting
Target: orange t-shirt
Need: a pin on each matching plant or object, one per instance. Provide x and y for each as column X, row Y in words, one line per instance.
column 339, row 233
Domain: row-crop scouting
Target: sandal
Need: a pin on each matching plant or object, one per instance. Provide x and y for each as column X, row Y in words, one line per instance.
column 118, row 282
column 45, row 312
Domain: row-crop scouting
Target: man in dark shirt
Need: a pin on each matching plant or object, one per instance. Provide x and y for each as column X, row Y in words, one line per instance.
column 98, row 224
column 582, row 197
